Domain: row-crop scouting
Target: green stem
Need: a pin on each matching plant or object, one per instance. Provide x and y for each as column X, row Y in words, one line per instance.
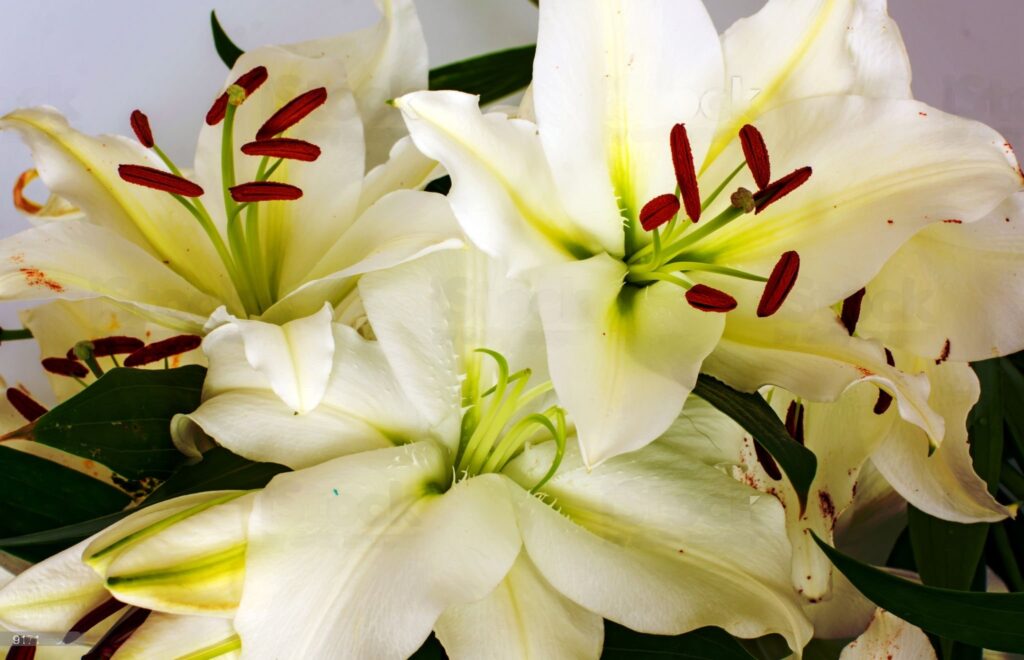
column 13, row 335
column 1012, row 480
column 685, row 266
column 718, row 191
column 167, row 161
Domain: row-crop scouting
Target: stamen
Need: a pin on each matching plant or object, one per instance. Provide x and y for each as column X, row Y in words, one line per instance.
column 283, row 148
column 265, row 191
column 163, row 349
column 65, row 367
column 150, row 177
column 22, row 203
column 118, row 634
column 780, row 283
column 767, row 462
column 795, row 421
column 686, row 172
column 28, row 407
column 93, row 617
column 249, row 82
column 851, row 311
column 658, row 211
column 21, row 653
column 787, row 184
column 706, row 299
column 117, row 345
column 743, row 200
column 292, row 113
column 756, row 152
column 140, row 126
column 85, row 352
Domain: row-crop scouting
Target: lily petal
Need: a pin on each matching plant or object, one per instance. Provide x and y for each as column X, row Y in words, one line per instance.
column 296, row 358
column 360, row 556
column 83, row 170
column 405, row 169
column 890, row 637
column 622, row 359
column 52, row 595
column 175, row 636
column 814, row 357
column 657, row 559
column 503, row 191
column 382, row 62
column 943, row 484
column 432, row 314
column 882, row 171
column 799, row 49
column 402, row 226
column 362, row 408
column 929, row 296
column 549, row 625
column 77, row 259
column 610, row 80
column 186, row 557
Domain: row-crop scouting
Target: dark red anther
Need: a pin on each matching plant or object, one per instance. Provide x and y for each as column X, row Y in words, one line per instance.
column 140, row 126
column 118, row 634
column 795, row 421
column 249, row 81
column 767, row 462
column 28, row 407
column 283, row 148
column 22, row 652
column 252, row 80
column 658, row 211
column 265, row 191
column 292, row 113
column 686, row 171
column 787, row 184
column 91, row 618
column 217, row 111
column 851, row 311
column 166, row 348
column 150, row 177
column 779, row 284
column 756, row 153
column 707, row 299
column 65, row 367
column 117, row 345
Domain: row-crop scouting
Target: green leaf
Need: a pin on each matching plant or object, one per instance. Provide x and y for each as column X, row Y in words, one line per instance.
column 228, row 51
column 624, row 644
column 38, row 494
column 493, row 76
column 123, row 421
column 219, row 470
column 755, row 415
column 991, row 621
column 1013, row 390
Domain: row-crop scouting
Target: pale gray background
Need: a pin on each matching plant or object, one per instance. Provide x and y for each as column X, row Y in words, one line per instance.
column 96, row 60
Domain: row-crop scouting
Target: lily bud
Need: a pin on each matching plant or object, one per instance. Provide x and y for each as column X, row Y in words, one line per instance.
column 184, row 556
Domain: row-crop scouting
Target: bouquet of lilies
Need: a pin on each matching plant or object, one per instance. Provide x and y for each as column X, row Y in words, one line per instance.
column 578, row 350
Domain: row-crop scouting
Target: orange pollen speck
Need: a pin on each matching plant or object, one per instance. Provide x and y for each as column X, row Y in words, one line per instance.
column 36, row 277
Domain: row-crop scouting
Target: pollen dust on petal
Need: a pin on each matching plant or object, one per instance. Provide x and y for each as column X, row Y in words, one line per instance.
column 865, row 372
column 36, row 277
column 17, row 258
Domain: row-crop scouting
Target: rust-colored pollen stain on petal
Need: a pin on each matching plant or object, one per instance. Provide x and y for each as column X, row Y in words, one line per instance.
column 945, row 353
column 292, row 113
column 686, row 172
column 62, row 366
column 658, row 211
column 784, row 186
column 117, row 345
column 795, row 421
column 166, row 348
column 22, row 203
column 265, row 191
column 706, row 299
column 851, row 311
column 36, row 277
column 150, row 177
column 283, row 148
column 771, row 468
column 141, row 128
column 780, row 284
column 26, row 406
column 756, row 152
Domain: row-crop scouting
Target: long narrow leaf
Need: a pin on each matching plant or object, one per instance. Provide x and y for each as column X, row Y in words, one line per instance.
column 493, row 76
column 228, row 51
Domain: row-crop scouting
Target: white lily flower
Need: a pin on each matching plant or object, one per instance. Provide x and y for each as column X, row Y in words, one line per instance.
column 567, row 200
column 444, row 531
column 258, row 227
column 890, row 637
